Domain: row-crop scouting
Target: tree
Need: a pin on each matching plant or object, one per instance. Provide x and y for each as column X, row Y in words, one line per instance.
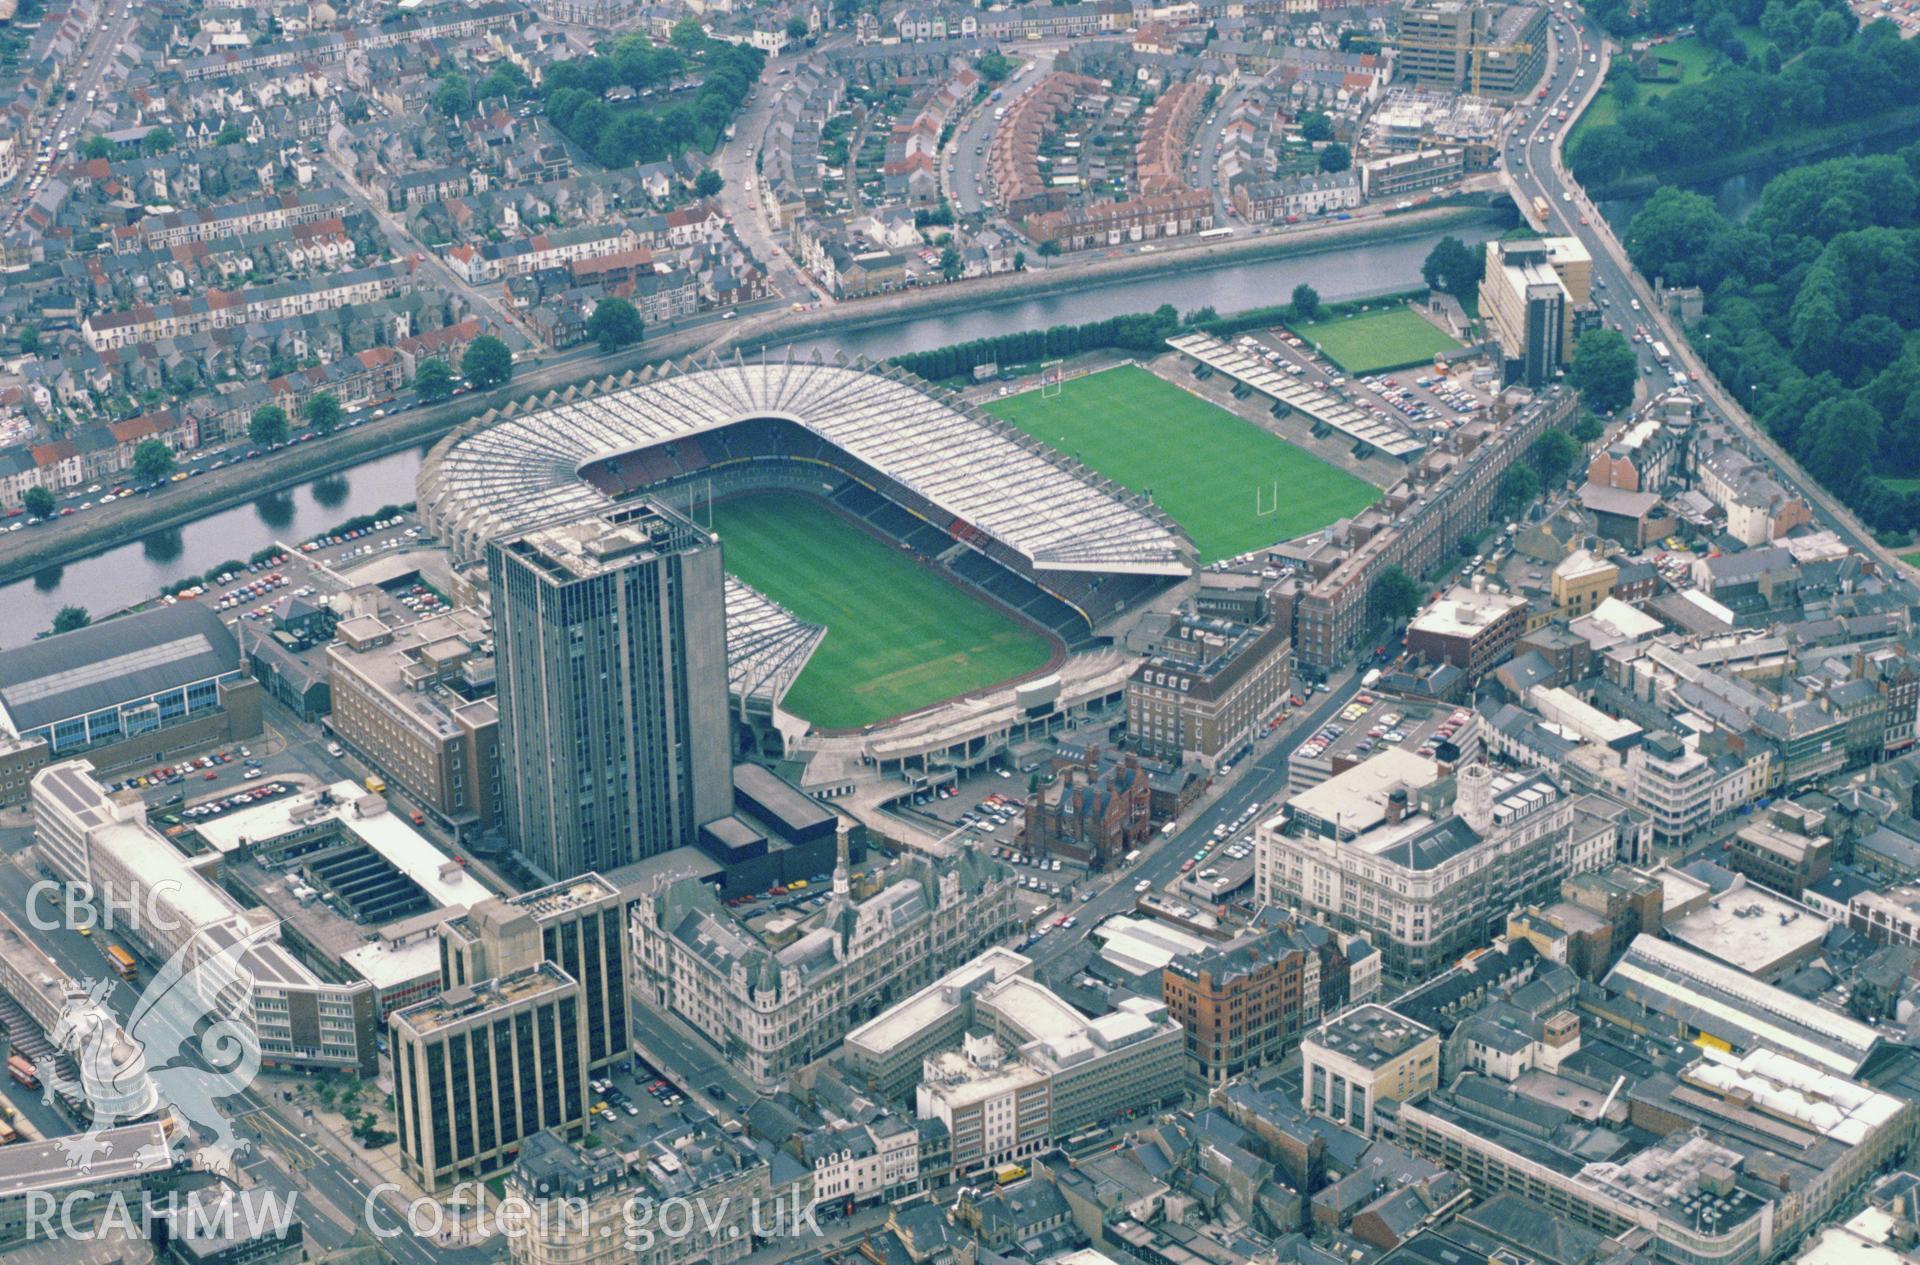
column 323, row 412
column 1049, row 247
column 37, row 502
column 507, row 80
column 1316, row 126
column 950, row 262
column 1395, row 596
column 231, row 134
column 433, row 380
column 453, row 96
column 71, row 618
column 268, row 426
column 97, row 147
column 152, row 461
column 1019, row 261
column 488, row 363
column 1519, row 488
column 708, row 182
column 1604, row 370
column 615, row 323
column 1306, row 302
column 994, row 66
column 29, row 339
column 1552, row 455
column 1336, row 157
column 157, row 140
column 687, row 34
column 1587, row 428
column 1455, row 267
column 797, row 28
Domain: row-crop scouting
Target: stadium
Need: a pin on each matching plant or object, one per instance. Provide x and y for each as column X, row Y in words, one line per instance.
column 970, row 500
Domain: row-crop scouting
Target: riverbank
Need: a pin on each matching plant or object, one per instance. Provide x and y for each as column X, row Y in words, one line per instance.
column 40, row 549
column 1037, row 282
column 1801, row 147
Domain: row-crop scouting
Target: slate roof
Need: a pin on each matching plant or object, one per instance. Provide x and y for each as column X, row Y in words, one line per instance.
column 106, row 664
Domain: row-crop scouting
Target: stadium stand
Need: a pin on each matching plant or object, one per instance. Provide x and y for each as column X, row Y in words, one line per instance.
column 1003, row 513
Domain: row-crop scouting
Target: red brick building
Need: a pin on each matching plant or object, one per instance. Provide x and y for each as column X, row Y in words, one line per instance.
column 1246, row 1004
column 1096, row 818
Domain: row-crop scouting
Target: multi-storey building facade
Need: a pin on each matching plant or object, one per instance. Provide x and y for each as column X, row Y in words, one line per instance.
column 772, row 1013
column 1429, row 517
column 417, row 701
column 600, row 1206
column 179, row 915
column 610, row 635
column 1207, row 688
column 482, row 1067
column 1470, row 629
column 1352, row 1061
column 1379, row 850
column 582, row 928
column 1246, row 1004
column 994, row 1107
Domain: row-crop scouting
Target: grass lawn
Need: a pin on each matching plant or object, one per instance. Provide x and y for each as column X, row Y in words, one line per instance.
column 1204, row 466
column 1902, row 483
column 898, row 636
column 1371, row 342
column 1695, row 59
column 1912, row 559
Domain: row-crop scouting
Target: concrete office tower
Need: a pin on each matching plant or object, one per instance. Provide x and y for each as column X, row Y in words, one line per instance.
column 610, row 633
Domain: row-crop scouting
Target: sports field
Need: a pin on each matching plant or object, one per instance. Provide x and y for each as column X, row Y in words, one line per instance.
column 898, row 636
column 1212, row 472
column 1372, row 342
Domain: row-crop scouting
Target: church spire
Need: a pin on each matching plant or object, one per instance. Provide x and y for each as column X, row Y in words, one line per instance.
column 842, row 884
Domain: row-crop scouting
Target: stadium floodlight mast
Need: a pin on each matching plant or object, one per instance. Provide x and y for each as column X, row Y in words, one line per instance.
column 1052, row 378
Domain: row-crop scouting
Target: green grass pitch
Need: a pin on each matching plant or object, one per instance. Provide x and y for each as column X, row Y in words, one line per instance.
column 899, row 637
column 1204, row 466
column 1375, row 341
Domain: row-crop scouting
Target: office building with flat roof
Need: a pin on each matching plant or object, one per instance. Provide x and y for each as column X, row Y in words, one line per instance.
column 482, row 1067
column 1353, row 1061
column 176, row 910
column 1470, row 628
column 885, row 1053
column 582, row 928
column 610, row 636
column 995, row 1107
column 1427, row 869
column 416, row 700
column 1701, row 1155
column 1527, row 311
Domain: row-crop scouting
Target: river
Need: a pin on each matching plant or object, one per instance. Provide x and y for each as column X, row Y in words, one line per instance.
column 1738, row 194
column 128, row 573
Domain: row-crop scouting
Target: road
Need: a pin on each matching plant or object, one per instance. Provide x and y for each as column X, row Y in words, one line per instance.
column 405, row 244
column 1262, row 779
column 290, row 1157
column 1536, row 168
column 87, row 74
column 742, row 195
column 1203, row 163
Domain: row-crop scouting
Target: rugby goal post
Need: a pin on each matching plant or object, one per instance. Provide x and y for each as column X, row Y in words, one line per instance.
column 1052, row 376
